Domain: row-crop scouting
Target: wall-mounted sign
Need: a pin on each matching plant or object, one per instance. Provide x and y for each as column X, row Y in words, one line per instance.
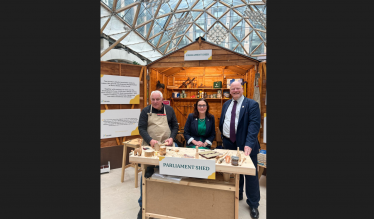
column 166, row 102
column 197, row 55
column 119, row 89
column 119, row 123
column 188, row 167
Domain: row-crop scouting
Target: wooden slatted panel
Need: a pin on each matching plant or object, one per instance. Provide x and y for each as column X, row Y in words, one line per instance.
column 120, row 69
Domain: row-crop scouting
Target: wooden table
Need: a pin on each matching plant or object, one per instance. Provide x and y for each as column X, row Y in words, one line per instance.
column 133, row 143
column 192, row 197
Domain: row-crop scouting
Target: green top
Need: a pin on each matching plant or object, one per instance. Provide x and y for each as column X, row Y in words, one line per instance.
column 201, row 128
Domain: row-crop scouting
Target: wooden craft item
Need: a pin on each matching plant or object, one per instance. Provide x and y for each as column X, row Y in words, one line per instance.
column 209, row 154
column 138, row 151
column 221, row 160
column 227, row 158
column 226, row 177
column 149, row 153
column 197, row 152
column 242, row 162
column 187, row 156
column 162, row 150
column 238, row 154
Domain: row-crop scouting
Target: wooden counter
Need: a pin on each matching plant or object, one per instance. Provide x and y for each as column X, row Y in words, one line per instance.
column 192, row 197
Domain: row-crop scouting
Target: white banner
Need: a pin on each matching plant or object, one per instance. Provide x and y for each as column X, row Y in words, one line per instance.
column 119, row 123
column 119, row 89
column 197, row 168
column 197, row 55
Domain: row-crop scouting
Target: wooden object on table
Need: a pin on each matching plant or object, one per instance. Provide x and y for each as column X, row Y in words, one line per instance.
column 149, row 153
column 242, row 161
column 138, row 151
column 133, row 143
column 162, row 150
column 197, row 152
column 238, row 153
column 227, row 158
column 209, row 154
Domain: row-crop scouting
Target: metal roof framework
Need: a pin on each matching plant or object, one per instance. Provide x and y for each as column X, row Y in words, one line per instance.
column 147, row 30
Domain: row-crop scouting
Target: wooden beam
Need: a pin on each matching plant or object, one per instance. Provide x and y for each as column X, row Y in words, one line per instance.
column 114, row 44
column 153, row 22
column 106, row 23
column 256, row 48
column 114, row 5
column 145, row 94
column 136, row 16
column 127, row 7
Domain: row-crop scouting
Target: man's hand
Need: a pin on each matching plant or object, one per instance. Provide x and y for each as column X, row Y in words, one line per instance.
column 247, row 150
column 169, row 141
column 152, row 143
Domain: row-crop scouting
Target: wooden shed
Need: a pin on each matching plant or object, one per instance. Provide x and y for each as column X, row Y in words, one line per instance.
column 173, row 70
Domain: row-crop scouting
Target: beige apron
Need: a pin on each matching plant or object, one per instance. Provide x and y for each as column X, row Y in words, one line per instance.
column 158, row 127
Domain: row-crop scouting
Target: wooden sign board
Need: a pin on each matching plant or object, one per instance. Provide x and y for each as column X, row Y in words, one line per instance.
column 190, row 55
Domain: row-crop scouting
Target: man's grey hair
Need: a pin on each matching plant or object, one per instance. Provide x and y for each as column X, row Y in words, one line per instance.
column 156, row 91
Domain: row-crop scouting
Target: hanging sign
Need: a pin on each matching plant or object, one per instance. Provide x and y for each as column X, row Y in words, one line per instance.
column 119, row 89
column 119, row 123
column 205, row 169
column 197, row 55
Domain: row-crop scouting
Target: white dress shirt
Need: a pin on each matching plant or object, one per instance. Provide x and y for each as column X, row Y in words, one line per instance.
column 226, row 123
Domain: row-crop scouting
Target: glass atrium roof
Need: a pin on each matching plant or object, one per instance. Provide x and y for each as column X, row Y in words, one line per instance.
column 154, row 28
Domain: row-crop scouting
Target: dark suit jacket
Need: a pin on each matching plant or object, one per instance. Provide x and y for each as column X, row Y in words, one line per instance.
column 190, row 129
column 248, row 125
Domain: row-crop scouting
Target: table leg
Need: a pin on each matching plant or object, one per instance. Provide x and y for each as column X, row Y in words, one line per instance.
column 123, row 162
column 136, row 174
column 237, row 176
column 261, row 170
column 143, row 190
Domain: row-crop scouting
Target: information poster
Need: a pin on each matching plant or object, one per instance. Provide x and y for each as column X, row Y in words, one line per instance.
column 190, row 55
column 119, row 89
column 196, row 168
column 119, row 123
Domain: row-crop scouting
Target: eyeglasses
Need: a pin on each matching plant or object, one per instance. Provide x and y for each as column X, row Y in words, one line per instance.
column 153, row 100
column 201, row 106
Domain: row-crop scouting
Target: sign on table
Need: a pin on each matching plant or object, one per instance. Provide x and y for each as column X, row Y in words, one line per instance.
column 119, row 123
column 119, row 89
column 197, row 55
column 188, row 167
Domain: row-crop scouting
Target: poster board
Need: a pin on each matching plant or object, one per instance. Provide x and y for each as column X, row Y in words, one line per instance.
column 119, row 123
column 119, row 89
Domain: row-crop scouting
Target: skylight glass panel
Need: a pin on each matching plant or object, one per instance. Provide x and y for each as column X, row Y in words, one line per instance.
column 173, row 3
column 155, row 30
column 162, row 49
column 199, row 5
column 182, row 5
column 154, row 41
column 163, row 10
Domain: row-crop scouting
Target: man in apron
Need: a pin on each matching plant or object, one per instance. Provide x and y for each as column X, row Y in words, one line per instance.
column 157, row 123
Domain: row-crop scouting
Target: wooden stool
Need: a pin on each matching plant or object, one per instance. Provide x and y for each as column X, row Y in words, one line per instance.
column 133, row 143
column 260, row 171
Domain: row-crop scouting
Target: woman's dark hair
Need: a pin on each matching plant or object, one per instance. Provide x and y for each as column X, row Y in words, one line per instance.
column 196, row 112
column 159, row 85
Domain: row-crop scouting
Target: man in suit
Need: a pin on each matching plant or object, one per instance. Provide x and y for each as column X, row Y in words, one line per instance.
column 239, row 125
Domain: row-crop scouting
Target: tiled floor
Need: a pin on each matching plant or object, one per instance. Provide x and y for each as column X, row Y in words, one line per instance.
column 120, row 200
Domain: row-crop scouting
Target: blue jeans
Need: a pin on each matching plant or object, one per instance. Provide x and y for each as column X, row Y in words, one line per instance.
column 141, row 186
